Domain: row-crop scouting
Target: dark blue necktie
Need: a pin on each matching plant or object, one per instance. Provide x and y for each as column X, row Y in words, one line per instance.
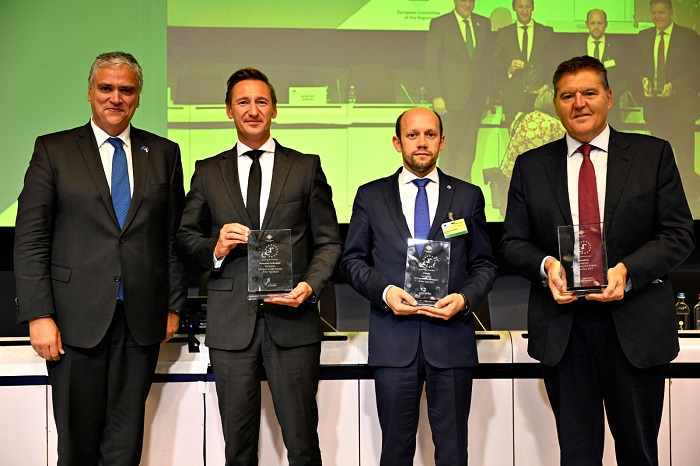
column 421, row 214
column 121, row 192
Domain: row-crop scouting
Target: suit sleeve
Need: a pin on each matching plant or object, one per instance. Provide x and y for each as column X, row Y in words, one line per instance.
column 356, row 264
column 433, row 57
column 194, row 240
column 674, row 237
column 324, row 231
column 33, row 234
column 516, row 246
column 177, row 275
column 481, row 267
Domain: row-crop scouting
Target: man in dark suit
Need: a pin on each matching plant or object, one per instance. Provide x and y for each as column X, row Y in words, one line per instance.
column 458, row 52
column 411, row 344
column 670, row 85
column 96, row 269
column 609, row 348
column 524, row 57
column 598, row 45
column 281, row 333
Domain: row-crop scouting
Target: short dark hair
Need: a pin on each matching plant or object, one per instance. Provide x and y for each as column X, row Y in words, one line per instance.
column 665, row 2
column 576, row 64
column 398, row 123
column 115, row 60
column 531, row 1
column 245, row 74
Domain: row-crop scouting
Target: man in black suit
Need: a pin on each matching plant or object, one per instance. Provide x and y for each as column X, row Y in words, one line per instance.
column 670, row 85
column 524, row 58
column 97, row 275
column 609, row 348
column 410, row 344
column 259, row 184
column 458, row 54
column 598, row 45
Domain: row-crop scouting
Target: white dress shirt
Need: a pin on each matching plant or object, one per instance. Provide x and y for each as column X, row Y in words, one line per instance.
column 107, row 153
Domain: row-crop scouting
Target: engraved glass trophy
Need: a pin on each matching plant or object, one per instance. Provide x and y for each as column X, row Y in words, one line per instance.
column 427, row 270
column 269, row 263
column 582, row 253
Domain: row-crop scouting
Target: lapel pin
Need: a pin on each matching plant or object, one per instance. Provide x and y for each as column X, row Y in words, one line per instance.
column 449, row 186
column 145, row 149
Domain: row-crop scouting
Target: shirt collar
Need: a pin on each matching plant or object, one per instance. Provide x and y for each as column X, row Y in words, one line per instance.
column 406, row 176
column 668, row 30
column 591, row 39
column 459, row 17
column 101, row 136
column 528, row 25
column 599, row 142
column 268, row 146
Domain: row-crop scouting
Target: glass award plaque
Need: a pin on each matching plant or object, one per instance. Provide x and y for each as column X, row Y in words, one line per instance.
column 583, row 256
column 427, row 270
column 269, row 263
column 531, row 84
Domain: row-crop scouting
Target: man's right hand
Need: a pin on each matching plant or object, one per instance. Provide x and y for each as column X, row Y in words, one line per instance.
column 556, row 279
column 397, row 298
column 46, row 338
column 515, row 65
column 230, row 235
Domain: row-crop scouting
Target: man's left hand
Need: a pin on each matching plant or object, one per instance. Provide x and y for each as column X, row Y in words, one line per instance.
column 173, row 325
column 444, row 308
column 617, row 279
column 294, row 298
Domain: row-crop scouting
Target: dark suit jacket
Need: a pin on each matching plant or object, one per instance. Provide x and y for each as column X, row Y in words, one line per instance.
column 682, row 67
column 618, row 75
column 375, row 257
column 542, row 63
column 69, row 249
column 648, row 227
column 300, row 200
column 451, row 74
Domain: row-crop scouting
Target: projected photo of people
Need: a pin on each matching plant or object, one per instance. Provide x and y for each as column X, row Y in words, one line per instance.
column 344, row 70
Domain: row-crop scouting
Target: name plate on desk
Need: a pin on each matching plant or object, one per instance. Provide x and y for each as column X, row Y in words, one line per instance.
column 317, row 95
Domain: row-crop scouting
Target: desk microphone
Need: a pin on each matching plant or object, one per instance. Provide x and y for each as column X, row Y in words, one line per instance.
column 405, row 91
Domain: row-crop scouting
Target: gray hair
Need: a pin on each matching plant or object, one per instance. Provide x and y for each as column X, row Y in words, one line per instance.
column 114, row 60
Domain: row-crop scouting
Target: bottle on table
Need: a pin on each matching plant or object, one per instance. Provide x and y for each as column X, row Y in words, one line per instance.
column 682, row 312
column 696, row 315
column 352, row 95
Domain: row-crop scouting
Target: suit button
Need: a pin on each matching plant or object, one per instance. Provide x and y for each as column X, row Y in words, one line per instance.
column 117, row 278
column 122, row 240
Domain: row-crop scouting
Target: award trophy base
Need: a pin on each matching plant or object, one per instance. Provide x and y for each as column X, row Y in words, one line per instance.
column 583, row 291
column 263, row 295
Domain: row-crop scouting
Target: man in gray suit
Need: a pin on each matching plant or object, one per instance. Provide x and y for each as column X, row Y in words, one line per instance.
column 458, row 51
column 259, row 184
column 97, row 276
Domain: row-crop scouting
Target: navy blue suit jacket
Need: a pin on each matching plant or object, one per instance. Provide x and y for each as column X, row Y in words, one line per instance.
column 648, row 227
column 375, row 257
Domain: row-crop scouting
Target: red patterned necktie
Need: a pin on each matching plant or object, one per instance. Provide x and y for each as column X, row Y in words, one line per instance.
column 589, row 214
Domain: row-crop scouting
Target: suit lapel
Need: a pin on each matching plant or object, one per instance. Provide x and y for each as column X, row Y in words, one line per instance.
column 447, row 191
column 280, row 170
column 91, row 155
column 555, row 170
column 229, row 174
column 390, row 190
column 619, row 164
column 139, row 161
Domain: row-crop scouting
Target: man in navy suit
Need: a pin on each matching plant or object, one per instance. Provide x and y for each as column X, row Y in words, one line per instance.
column 411, row 344
column 610, row 348
column 524, row 57
column 610, row 52
column 458, row 52
column 670, row 85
